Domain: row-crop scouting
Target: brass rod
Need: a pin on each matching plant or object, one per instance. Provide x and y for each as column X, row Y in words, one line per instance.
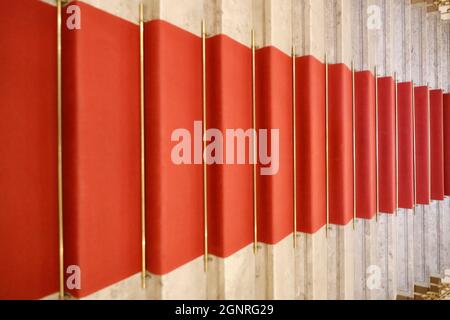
column 255, row 157
column 326, row 147
column 429, row 139
column 294, row 139
column 376, row 145
column 205, row 173
column 142, row 111
column 60, row 173
column 413, row 105
column 396, row 143
column 354, row 143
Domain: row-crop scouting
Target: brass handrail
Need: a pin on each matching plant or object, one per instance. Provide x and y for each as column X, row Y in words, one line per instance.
column 142, row 116
column 294, row 140
column 205, row 173
column 327, row 147
column 60, row 168
column 376, row 145
column 255, row 155
column 354, row 143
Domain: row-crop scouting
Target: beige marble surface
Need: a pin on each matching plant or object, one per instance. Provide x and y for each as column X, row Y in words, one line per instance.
column 387, row 253
column 341, row 262
column 128, row 289
column 363, row 39
column 272, row 20
column 419, row 63
column 444, row 245
column 230, row 17
column 405, row 252
column 402, row 39
column 311, row 266
column 275, row 271
column 385, row 39
column 186, row 14
column 338, row 35
column 421, row 267
column 433, row 237
column 365, row 257
column 308, row 29
column 188, row 282
column 232, row 278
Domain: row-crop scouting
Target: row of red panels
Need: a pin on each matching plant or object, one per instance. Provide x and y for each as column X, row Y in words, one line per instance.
column 101, row 147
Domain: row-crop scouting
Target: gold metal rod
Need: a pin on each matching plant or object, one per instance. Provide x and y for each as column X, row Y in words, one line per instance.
column 294, row 139
column 429, row 142
column 376, row 145
column 396, row 143
column 60, row 173
column 326, row 146
column 413, row 105
column 142, row 111
column 354, row 143
column 205, row 172
column 255, row 156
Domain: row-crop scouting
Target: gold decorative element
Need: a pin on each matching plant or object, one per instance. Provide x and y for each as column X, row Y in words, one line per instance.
column 205, row 176
column 376, row 144
column 60, row 167
column 294, row 139
column 255, row 155
column 142, row 115
column 396, row 143
column 327, row 145
column 354, row 143
column 429, row 141
column 413, row 106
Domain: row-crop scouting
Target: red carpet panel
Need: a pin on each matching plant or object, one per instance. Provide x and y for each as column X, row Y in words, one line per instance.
column 101, row 147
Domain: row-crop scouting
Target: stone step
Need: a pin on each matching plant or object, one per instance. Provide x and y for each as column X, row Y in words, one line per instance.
column 437, row 290
column 420, row 289
column 420, row 296
column 435, row 280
